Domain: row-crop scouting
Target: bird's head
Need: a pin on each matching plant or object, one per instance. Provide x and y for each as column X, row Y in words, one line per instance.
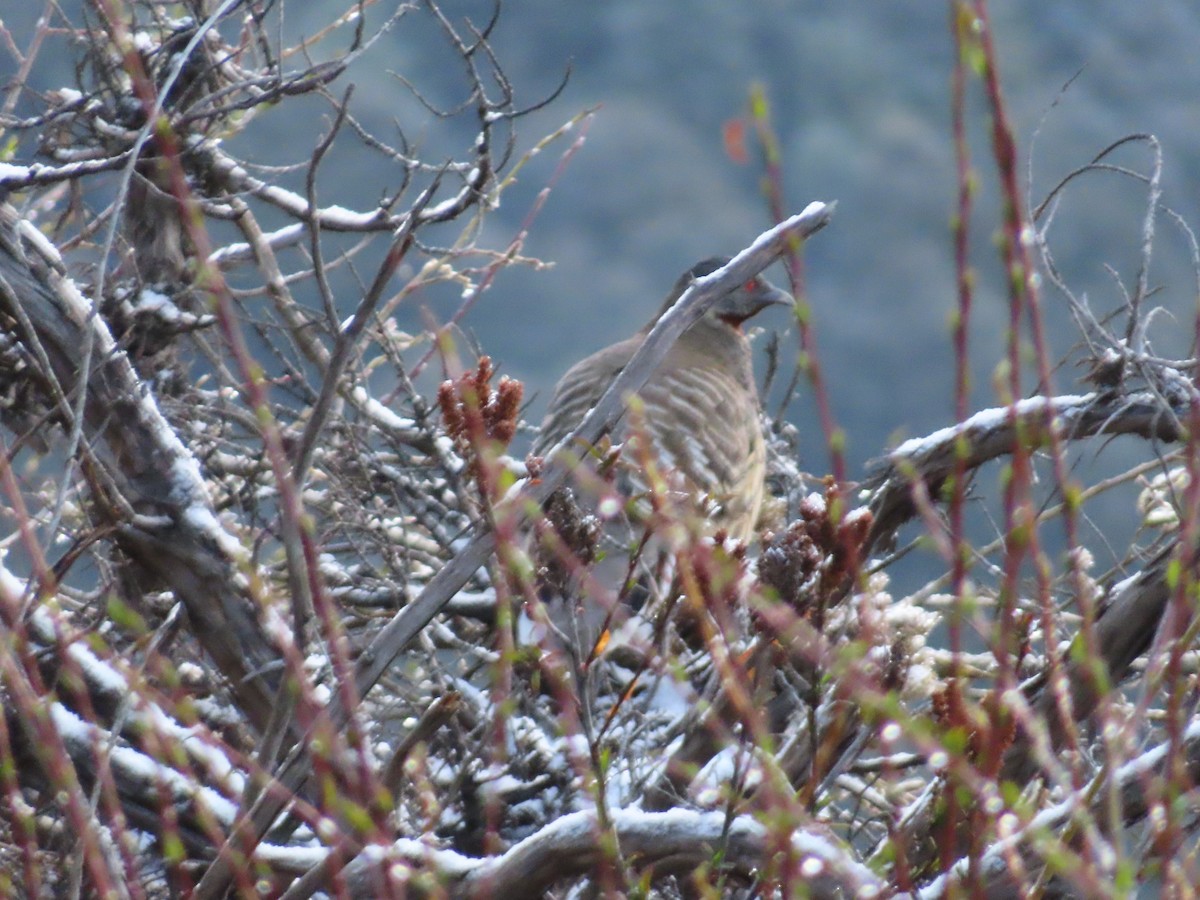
column 743, row 302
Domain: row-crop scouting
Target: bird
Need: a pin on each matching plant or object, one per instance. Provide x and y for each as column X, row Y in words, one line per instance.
column 699, row 411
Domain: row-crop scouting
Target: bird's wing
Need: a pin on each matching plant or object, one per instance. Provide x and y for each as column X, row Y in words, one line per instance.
column 701, row 420
column 581, row 389
column 704, row 426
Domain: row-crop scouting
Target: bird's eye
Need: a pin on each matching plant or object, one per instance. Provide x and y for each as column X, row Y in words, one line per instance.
column 750, row 286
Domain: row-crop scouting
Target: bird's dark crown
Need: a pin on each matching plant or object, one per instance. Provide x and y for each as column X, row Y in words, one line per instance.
column 743, row 302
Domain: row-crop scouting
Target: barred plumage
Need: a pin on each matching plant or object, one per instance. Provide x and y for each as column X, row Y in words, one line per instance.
column 701, row 406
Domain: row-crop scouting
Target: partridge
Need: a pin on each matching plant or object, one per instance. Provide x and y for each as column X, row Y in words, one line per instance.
column 700, row 413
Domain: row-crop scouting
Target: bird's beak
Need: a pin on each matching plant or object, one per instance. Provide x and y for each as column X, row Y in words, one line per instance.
column 749, row 301
column 777, row 297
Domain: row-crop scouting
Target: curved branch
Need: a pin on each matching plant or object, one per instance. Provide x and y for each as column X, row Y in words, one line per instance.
column 662, row 843
column 1130, row 780
column 682, row 840
column 997, row 432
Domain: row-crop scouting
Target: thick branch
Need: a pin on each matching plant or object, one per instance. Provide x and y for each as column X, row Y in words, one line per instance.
column 682, row 840
column 1130, row 616
column 173, row 534
column 1130, row 781
column 664, row 843
column 993, row 433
